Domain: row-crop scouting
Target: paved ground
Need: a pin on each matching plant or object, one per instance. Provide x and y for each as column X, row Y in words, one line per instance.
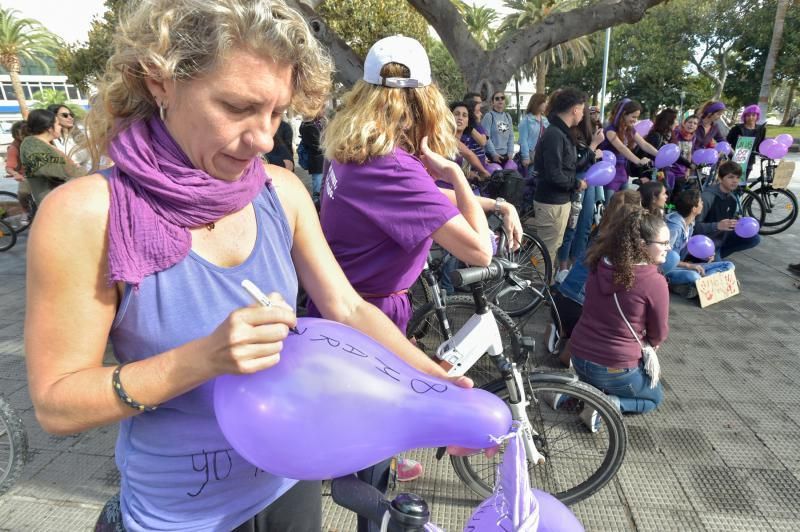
column 723, row 452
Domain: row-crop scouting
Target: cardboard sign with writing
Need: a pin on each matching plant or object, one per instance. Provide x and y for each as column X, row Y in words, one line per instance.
column 783, row 174
column 741, row 154
column 717, row 287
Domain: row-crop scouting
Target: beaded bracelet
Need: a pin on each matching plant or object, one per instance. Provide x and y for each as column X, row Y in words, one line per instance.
column 122, row 394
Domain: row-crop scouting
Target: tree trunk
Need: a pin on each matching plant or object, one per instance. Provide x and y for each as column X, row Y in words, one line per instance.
column 541, row 74
column 13, row 68
column 516, row 93
column 772, row 56
column 787, row 108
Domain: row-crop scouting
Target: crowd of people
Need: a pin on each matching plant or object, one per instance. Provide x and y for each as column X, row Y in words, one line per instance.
column 153, row 248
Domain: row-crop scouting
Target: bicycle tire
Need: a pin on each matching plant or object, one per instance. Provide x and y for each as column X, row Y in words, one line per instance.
column 535, row 268
column 426, row 330
column 780, row 209
column 13, row 446
column 578, row 462
column 8, row 237
column 752, row 206
column 420, row 293
column 14, row 213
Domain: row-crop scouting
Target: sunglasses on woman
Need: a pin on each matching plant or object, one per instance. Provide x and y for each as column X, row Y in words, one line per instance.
column 499, row 98
column 66, row 115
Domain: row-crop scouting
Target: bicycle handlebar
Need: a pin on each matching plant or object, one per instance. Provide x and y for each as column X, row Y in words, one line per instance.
column 475, row 274
column 408, row 512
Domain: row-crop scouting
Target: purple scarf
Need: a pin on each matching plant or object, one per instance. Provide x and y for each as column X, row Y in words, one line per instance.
column 157, row 195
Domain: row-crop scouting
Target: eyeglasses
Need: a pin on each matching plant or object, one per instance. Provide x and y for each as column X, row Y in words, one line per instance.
column 66, row 115
column 664, row 243
column 499, row 98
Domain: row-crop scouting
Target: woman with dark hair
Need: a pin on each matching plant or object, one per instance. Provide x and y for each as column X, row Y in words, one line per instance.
column 625, row 311
column 467, row 145
column 14, row 167
column 531, row 129
column 683, row 136
column 654, row 197
column 45, row 166
column 71, row 141
column 621, row 139
column 708, row 132
column 660, row 134
column 749, row 128
column 576, row 236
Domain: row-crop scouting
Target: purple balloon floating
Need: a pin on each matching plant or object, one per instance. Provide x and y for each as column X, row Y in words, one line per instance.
column 772, row 148
column 785, row 139
column 667, row 155
column 700, row 246
column 747, row 227
column 723, row 147
column 338, row 402
column 600, row 174
column 609, row 157
column 643, row 127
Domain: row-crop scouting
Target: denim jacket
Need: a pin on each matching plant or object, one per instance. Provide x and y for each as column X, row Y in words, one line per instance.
column 530, row 131
column 679, row 233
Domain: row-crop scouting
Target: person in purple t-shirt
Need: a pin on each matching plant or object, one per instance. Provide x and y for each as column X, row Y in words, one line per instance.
column 380, row 208
column 621, row 138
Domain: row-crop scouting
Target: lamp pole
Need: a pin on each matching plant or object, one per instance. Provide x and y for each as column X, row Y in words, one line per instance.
column 680, row 113
column 605, row 76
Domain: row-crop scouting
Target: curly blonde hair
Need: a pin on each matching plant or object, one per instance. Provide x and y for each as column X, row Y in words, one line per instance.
column 374, row 120
column 185, row 39
column 623, row 242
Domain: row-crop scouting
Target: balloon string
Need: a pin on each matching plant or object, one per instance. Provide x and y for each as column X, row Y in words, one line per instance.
column 497, row 440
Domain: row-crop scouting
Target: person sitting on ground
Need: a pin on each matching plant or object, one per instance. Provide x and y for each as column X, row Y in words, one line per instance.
column 570, row 293
column 498, row 124
column 681, row 278
column 720, row 212
column 621, row 139
column 624, row 291
column 555, row 164
column 46, row 167
column 749, row 128
column 654, row 197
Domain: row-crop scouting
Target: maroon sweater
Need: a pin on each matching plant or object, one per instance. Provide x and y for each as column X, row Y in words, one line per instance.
column 601, row 335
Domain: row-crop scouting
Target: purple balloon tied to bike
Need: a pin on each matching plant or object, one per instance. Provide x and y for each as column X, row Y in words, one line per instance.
column 338, row 401
column 772, row 149
column 723, row 148
column 600, row 174
column 667, row 155
column 643, row 127
column 785, row 139
column 701, row 247
column 746, row 227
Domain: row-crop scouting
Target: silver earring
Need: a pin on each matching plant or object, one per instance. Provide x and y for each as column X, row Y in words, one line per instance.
column 162, row 111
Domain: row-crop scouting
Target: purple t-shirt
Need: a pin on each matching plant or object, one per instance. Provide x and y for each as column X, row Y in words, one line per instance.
column 621, row 175
column 378, row 218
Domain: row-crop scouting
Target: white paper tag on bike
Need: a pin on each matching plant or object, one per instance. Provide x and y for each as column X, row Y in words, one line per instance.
column 478, row 336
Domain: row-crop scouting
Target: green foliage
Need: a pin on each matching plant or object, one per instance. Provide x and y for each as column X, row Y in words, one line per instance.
column 445, row 71
column 24, row 40
column 47, row 97
column 480, row 21
column 85, row 63
column 361, row 23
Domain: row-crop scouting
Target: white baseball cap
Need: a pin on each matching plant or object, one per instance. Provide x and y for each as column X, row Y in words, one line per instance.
column 398, row 49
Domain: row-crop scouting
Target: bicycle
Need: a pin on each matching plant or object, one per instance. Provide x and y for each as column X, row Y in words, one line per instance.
column 8, row 237
column 565, row 458
column 778, row 208
column 13, row 446
column 748, row 202
column 15, row 213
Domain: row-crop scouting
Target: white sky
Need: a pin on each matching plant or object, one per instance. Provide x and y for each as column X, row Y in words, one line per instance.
column 71, row 19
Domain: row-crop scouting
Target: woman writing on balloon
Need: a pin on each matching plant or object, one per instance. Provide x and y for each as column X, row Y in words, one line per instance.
column 185, row 111
column 621, row 139
column 381, row 209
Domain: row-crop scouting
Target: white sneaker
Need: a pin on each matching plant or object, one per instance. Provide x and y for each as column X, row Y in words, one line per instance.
column 591, row 419
column 552, row 338
column 553, row 399
column 561, row 275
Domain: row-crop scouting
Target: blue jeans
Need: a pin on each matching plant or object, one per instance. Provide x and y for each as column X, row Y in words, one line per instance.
column 627, row 387
column 575, row 240
column 734, row 243
column 683, row 276
column 671, row 263
column 316, row 184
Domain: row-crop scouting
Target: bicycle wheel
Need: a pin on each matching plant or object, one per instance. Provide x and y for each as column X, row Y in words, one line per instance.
column 14, row 213
column 426, row 329
column 8, row 237
column 751, row 205
column 13, row 446
column 520, row 294
column 420, row 293
column 780, row 209
column 578, row 462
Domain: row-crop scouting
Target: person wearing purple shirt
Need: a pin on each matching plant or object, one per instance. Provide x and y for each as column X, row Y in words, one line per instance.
column 380, row 209
column 156, row 257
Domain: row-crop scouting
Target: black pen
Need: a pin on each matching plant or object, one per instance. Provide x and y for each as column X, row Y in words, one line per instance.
column 260, row 297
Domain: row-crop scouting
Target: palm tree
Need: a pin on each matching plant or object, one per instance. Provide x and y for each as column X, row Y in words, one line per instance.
column 772, row 56
column 480, row 21
column 529, row 12
column 23, row 40
column 47, row 97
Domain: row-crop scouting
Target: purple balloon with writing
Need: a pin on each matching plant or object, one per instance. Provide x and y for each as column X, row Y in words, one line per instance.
column 338, row 402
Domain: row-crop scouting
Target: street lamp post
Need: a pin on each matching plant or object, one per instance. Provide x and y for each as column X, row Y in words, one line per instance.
column 680, row 114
